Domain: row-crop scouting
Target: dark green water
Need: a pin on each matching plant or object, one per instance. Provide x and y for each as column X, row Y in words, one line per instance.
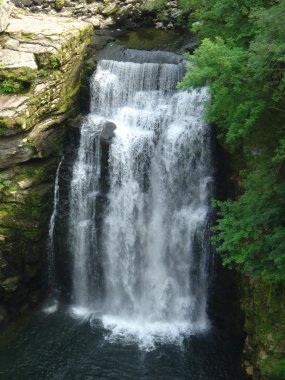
column 58, row 347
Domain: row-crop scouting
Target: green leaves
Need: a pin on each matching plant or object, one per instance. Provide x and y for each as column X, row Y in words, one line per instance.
column 236, row 104
column 229, row 19
column 250, row 231
column 242, row 60
column 10, row 86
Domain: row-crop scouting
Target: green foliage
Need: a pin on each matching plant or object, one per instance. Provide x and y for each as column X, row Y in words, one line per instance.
column 58, row 4
column 32, row 205
column 250, row 231
column 26, row 36
column 236, row 105
column 154, row 5
column 6, row 187
column 229, row 19
column 279, row 370
column 53, row 61
column 10, row 86
column 242, row 60
column 43, row 73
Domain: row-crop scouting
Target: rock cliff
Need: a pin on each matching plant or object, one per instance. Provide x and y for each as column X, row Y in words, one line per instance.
column 41, row 60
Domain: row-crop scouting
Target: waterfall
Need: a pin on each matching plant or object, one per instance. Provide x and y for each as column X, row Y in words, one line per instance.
column 84, row 191
column 52, row 303
column 143, row 268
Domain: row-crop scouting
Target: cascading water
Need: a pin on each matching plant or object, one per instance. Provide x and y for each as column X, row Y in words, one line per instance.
column 52, row 302
column 144, row 269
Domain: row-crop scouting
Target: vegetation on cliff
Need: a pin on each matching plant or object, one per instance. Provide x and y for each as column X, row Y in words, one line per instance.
column 242, row 59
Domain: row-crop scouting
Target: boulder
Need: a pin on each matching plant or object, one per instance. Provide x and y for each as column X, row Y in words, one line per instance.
column 108, row 131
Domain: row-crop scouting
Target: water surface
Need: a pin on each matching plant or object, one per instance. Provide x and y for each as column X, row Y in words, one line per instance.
column 57, row 346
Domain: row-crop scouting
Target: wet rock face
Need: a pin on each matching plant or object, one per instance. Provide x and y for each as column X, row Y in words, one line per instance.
column 41, row 59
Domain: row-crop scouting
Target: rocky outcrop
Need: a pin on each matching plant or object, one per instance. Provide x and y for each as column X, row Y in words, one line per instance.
column 127, row 14
column 100, row 14
column 5, row 11
column 41, row 60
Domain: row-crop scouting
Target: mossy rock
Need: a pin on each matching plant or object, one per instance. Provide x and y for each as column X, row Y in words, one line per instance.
column 110, row 9
column 20, row 74
column 59, row 4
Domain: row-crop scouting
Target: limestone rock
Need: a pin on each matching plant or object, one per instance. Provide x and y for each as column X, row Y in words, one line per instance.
column 96, row 12
column 5, row 11
column 12, row 44
column 110, row 9
column 44, row 54
column 14, row 150
column 11, row 59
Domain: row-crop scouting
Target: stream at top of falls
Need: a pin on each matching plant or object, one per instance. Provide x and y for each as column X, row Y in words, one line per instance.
column 138, row 240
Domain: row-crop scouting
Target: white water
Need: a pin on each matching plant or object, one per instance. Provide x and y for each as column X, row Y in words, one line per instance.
column 52, row 303
column 144, row 269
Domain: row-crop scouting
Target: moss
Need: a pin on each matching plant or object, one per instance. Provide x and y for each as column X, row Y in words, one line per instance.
column 16, row 80
column 53, row 61
column 6, row 187
column 26, row 36
column 278, row 372
column 43, row 73
column 20, row 74
column 11, row 86
column 110, row 9
column 31, row 145
column 68, row 98
column 4, row 124
column 58, row 4
column 29, row 173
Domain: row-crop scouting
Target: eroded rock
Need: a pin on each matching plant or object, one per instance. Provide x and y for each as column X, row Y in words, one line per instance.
column 11, row 59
